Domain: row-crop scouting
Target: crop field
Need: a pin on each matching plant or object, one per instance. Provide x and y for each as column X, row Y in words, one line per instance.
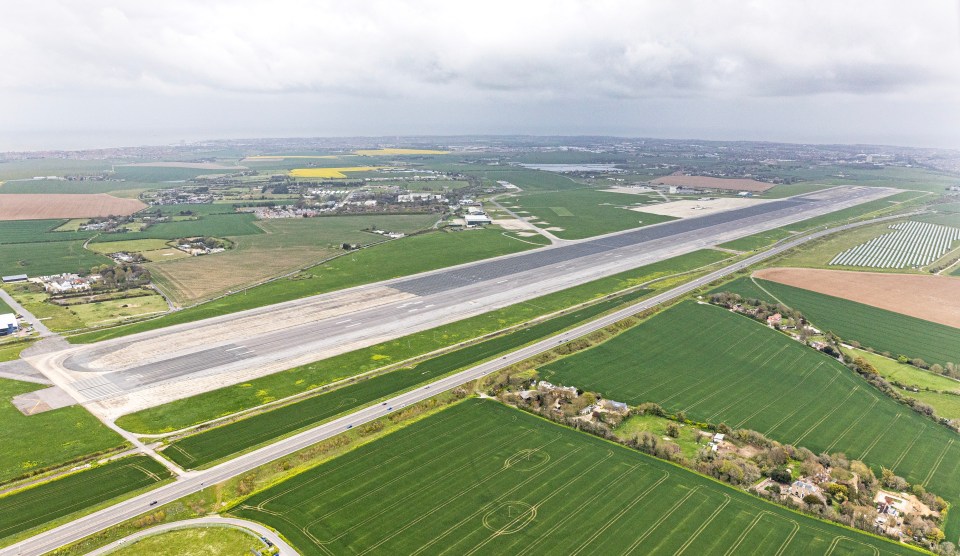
column 36, row 231
column 287, row 245
column 43, row 206
column 526, row 179
column 910, row 245
column 224, row 401
column 381, row 262
column 26, row 509
column 128, row 246
column 329, row 172
column 871, row 326
column 925, row 296
column 53, row 257
column 481, row 478
column 68, row 433
column 580, row 213
column 733, row 370
column 163, row 173
column 211, row 225
column 217, row 443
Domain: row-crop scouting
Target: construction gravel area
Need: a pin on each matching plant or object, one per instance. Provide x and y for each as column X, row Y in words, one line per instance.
column 933, row 298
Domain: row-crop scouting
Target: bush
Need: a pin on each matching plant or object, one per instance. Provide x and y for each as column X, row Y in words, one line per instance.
column 813, row 500
column 782, row 475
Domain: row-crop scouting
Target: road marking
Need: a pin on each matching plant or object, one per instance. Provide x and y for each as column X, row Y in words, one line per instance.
column 344, row 321
column 352, row 325
column 236, row 348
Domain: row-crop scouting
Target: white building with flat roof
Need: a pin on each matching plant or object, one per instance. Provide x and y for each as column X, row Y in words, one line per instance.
column 8, row 324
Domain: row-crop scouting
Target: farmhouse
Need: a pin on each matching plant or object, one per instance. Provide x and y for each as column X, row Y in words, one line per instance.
column 8, row 324
column 67, row 283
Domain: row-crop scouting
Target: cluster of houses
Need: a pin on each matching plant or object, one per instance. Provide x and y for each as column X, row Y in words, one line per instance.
column 421, row 198
column 198, row 248
column 67, row 283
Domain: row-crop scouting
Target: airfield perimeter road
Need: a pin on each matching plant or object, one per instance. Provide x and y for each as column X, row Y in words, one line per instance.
column 113, row 515
column 128, row 374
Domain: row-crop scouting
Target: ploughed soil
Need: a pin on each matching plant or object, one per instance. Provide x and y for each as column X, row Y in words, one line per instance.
column 39, row 206
column 933, row 298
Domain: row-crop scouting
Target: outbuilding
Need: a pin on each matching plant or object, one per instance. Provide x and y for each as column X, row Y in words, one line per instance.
column 15, row 278
column 477, row 219
column 8, row 324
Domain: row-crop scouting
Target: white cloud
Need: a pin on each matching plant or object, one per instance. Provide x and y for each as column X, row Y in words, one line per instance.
column 590, row 59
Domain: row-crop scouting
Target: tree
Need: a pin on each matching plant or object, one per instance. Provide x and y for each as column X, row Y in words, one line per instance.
column 673, row 430
column 782, row 475
column 813, row 500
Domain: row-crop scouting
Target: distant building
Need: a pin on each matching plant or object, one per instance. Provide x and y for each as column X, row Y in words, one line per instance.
column 615, row 407
column 477, row 219
column 8, row 324
column 15, row 278
column 775, row 319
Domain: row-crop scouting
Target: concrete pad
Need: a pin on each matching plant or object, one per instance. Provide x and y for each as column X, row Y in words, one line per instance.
column 691, row 209
column 40, row 401
column 21, row 370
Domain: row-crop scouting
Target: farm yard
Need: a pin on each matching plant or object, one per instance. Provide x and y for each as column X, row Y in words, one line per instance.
column 731, row 369
column 933, row 298
column 45, row 206
column 24, row 510
column 880, row 329
column 211, row 445
column 482, row 478
column 910, row 245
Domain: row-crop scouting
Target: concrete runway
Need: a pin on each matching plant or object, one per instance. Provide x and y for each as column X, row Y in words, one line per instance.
column 196, row 481
column 128, row 374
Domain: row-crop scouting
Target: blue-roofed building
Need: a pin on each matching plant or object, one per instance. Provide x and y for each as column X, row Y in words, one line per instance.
column 8, row 324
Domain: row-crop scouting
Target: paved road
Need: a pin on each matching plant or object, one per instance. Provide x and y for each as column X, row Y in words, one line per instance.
column 215, row 521
column 171, row 363
column 38, row 326
column 196, row 481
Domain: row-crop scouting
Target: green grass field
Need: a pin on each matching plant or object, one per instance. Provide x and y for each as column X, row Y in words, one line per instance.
column 481, row 478
column 36, row 231
column 67, row 434
column 877, row 328
column 194, row 541
column 27, row 509
column 756, row 241
column 55, row 257
column 583, row 212
column 162, row 173
column 4, row 308
column 411, row 255
column 224, row 401
column 212, row 225
column 717, row 366
column 214, row 444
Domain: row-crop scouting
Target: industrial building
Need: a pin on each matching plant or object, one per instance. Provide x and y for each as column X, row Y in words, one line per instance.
column 8, row 324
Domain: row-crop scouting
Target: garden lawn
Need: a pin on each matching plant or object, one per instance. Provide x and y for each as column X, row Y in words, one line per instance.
column 214, row 444
column 483, row 478
column 720, row 367
column 26, row 509
column 49, row 439
column 224, row 401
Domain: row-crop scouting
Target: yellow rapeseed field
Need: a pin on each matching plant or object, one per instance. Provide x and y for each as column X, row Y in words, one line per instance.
column 329, row 172
column 375, row 152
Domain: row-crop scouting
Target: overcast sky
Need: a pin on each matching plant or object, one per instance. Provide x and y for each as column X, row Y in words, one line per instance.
column 82, row 73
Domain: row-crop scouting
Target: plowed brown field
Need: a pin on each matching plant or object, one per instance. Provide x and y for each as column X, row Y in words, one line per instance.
column 708, row 182
column 933, row 298
column 31, row 206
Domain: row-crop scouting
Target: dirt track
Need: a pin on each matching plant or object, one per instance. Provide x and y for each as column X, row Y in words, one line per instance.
column 35, row 206
column 933, row 298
